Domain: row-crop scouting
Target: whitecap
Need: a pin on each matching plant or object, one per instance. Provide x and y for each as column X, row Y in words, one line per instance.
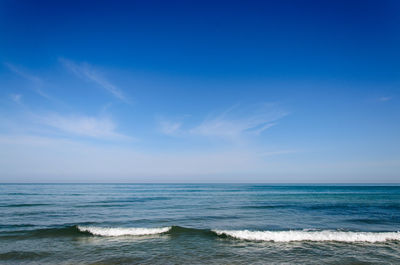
column 122, row 231
column 304, row 235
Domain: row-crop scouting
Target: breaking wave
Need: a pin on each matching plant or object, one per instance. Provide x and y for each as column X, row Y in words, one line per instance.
column 269, row 235
column 304, row 235
column 120, row 231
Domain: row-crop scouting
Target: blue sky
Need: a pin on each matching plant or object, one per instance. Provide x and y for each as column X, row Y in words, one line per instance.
column 199, row 91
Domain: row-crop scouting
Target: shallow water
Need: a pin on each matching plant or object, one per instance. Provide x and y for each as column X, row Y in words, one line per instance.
column 192, row 223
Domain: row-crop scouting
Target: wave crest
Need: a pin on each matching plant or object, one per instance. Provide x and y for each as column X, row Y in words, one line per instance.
column 325, row 235
column 121, row 231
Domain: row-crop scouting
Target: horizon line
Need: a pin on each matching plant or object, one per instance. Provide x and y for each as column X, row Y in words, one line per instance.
column 207, row 183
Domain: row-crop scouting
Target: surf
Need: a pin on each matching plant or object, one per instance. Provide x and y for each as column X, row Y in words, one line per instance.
column 178, row 231
column 122, row 231
column 304, row 235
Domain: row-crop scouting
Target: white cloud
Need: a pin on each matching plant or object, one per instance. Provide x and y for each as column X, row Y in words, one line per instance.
column 263, row 128
column 86, row 71
column 69, row 126
column 236, row 122
column 87, row 126
column 170, row 127
column 231, row 124
column 48, row 123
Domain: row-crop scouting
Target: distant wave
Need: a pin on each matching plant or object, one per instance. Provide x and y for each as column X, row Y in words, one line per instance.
column 122, row 231
column 303, row 235
column 24, row 205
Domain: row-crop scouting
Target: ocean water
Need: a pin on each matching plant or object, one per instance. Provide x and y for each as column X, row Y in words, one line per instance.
column 199, row 224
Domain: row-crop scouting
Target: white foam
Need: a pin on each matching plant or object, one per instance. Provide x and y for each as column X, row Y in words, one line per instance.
column 325, row 235
column 122, row 231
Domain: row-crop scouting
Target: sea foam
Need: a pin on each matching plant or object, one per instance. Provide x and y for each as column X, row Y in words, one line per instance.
column 122, row 231
column 304, row 235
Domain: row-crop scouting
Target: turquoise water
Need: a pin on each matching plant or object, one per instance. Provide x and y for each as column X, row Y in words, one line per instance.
column 198, row 223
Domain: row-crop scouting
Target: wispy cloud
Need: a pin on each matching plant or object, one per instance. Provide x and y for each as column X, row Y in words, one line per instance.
column 87, row 126
column 170, row 127
column 16, row 98
column 36, row 81
column 237, row 121
column 23, row 74
column 56, row 125
column 384, row 99
column 231, row 124
column 87, row 72
column 262, row 128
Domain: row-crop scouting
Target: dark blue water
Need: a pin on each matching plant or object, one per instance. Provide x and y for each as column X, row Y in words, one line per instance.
column 206, row 223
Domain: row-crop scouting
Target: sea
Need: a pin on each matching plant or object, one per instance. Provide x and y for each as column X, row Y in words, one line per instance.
column 199, row 224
